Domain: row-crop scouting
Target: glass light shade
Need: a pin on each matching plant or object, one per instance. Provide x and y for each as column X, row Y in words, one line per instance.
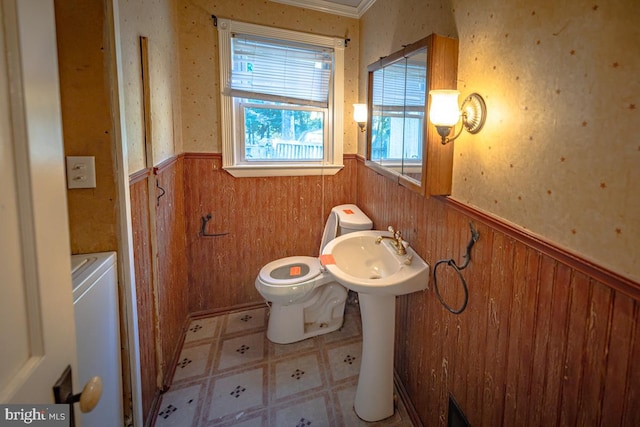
column 360, row 113
column 444, row 107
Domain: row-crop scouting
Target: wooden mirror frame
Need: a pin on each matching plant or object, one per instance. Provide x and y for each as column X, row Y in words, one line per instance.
column 437, row 159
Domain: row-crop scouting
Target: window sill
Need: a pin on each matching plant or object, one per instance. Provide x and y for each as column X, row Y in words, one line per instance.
column 241, row 171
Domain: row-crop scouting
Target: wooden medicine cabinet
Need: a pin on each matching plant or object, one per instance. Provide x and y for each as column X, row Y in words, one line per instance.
column 401, row 143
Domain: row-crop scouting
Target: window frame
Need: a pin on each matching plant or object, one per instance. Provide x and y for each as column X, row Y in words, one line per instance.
column 233, row 125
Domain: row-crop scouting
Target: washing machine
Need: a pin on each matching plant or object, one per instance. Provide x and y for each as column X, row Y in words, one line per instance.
column 97, row 319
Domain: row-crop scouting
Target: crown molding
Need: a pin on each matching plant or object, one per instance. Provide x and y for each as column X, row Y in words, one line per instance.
column 330, row 7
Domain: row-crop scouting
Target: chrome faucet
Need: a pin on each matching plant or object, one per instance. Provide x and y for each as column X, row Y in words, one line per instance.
column 396, row 240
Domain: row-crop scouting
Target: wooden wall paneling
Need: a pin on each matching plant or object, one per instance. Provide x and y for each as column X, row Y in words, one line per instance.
column 304, row 216
column 173, row 302
column 420, row 314
column 528, row 326
column 193, row 207
column 595, row 354
column 631, row 416
column 431, row 356
column 405, row 221
column 201, row 183
column 211, row 259
column 556, row 347
column 572, row 377
column 451, row 290
column 518, row 362
column 541, row 336
column 461, row 322
column 460, row 338
column 448, row 248
column 620, row 349
column 340, row 188
column 403, row 317
column 265, row 218
column 145, row 299
column 371, row 194
column 497, row 313
column 434, row 324
column 443, row 363
column 423, row 236
column 479, row 279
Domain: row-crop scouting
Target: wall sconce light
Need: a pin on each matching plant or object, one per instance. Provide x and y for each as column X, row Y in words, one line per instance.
column 360, row 116
column 444, row 113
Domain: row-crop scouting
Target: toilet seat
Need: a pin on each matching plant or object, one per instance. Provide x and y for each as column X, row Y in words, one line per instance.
column 290, row 271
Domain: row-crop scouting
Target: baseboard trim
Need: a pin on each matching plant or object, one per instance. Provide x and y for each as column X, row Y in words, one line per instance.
column 155, row 408
column 226, row 310
column 408, row 404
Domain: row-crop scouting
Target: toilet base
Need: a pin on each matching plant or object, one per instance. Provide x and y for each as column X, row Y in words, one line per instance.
column 322, row 313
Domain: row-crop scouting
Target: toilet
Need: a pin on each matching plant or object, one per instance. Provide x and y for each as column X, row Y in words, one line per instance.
column 305, row 300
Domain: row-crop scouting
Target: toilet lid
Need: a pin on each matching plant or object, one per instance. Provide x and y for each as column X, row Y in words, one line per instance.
column 289, row 271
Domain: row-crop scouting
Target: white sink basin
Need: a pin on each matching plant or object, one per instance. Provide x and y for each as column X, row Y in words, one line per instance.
column 378, row 274
column 364, row 266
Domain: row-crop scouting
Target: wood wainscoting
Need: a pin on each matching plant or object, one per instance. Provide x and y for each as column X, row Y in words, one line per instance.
column 546, row 338
column 145, row 295
column 172, row 284
column 256, row 220
column 162, row 302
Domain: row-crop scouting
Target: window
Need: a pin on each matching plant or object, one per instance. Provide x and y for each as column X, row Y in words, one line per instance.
column 282, row 101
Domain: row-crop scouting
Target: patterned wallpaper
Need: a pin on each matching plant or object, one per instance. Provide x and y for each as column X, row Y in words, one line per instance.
column 199, row 61
column 86, row 122
column 560, row 151
column 156, row 20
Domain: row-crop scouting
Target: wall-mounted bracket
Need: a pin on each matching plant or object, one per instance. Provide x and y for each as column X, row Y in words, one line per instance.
column 203, row 228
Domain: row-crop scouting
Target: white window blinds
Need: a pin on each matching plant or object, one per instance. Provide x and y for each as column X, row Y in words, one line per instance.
column 401, row 85
column 280, row 71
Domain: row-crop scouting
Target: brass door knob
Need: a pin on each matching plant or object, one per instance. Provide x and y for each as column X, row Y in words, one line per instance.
column 91, row 394
column 89, row 398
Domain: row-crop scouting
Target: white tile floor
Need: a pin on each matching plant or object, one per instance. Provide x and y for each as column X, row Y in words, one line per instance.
column 230, row 374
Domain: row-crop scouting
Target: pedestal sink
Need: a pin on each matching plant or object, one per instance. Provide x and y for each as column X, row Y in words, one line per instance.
column 362, row 263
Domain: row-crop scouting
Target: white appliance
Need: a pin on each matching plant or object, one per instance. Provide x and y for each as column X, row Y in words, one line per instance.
column 95, row 303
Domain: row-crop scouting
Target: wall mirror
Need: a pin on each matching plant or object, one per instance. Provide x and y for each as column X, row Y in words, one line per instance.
column 399, row 140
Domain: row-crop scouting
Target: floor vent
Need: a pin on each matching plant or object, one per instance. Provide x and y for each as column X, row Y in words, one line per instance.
column 456, row 416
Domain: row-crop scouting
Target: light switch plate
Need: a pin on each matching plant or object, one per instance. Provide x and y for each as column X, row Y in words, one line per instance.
column 81, row 172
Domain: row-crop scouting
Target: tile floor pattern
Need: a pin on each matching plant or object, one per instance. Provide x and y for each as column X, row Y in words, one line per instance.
column 230, row 374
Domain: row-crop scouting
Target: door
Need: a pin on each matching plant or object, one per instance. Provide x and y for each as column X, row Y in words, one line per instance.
column 36, row 308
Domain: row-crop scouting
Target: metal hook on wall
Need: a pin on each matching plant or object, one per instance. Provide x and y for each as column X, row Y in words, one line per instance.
column 203, row 229
column 161, row 194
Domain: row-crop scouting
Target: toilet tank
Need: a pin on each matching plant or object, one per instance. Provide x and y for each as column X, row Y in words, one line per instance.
column 342, row 220
column 350, row 219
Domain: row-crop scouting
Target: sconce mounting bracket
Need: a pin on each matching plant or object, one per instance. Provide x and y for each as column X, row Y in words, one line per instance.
column 474, row 113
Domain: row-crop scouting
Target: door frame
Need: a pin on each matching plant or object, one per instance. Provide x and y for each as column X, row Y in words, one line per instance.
column 126, row 271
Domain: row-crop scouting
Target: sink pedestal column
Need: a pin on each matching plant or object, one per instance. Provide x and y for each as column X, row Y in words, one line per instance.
column 374, row 394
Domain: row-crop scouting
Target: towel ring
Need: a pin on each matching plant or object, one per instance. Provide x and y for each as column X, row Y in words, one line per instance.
column 452, row 263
